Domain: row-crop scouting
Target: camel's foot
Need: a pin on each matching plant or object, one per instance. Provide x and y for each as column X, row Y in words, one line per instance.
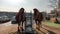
column 22, row 29
column 18, row 32
column 38, row 28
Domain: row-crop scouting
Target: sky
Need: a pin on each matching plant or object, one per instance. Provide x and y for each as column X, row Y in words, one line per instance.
column 28, row 5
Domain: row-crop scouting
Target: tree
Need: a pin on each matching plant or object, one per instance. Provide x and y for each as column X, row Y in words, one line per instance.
column 53, row 3
column 59, row 4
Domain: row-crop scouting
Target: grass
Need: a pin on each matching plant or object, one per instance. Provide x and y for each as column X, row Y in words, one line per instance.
column 52, row 24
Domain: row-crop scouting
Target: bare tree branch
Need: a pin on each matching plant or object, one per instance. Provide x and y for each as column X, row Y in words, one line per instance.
column 53, row 3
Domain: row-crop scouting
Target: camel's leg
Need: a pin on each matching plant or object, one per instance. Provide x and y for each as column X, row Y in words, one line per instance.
column 39, row 24
column 18, row 28
column 36, row 23
column 22, row 23
column 22, row 27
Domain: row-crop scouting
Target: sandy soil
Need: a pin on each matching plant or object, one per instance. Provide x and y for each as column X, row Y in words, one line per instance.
column 47, row 29
column 8, row 28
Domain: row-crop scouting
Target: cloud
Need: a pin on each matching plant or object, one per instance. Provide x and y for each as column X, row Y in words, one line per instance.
column 15, row 5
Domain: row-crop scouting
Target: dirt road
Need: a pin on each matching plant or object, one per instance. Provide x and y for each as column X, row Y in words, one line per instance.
column 8, row 28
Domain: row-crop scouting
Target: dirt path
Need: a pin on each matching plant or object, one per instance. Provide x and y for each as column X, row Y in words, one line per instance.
column 47, row 30
column 54, row 30
column 8, row 28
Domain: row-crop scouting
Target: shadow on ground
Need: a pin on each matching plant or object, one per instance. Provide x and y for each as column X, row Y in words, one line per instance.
column 50, row 32
column 22, row 32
